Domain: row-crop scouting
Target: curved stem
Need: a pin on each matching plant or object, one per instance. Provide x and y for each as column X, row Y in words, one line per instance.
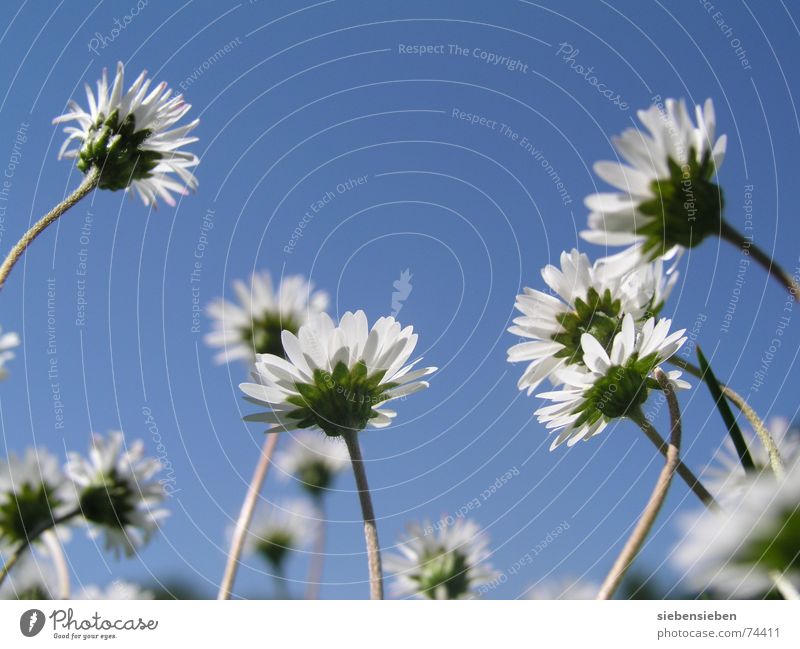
column 246, row 515
column 31, row 539
column 53, row 544
column 683, row 471
column 650, row 513
column 90, row 181
column 370, row 528
column 318, row 557
column 760, row 428
column 730, row 234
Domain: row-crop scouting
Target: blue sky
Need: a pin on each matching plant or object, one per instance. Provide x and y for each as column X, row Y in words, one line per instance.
column 309, row 97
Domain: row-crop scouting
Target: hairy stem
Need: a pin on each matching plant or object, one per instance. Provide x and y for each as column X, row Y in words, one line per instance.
column 318, row 557
column 89, row 182
column 683, row 471
column 730, row 234
column 246, row 515
column 370, row 528
column 760, row 428
column 51, row 540
column 659, row 494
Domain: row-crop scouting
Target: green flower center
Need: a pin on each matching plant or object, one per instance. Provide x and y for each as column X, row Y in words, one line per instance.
column 341, row 401
column 599, row 315
column 25, row 512
column 686, row 209
column 315, row 477
column 443, row 570
column 109, row 503
column 275, row 548
column 114, row 147
column 620, row 392
column 264, row 336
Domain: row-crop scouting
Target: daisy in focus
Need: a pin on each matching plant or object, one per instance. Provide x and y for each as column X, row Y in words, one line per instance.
column 613, row 384
column 334, row 378
column 117, row 492
column 666, row 200
column 314, row 460
column 451, row 563
column 589, row 298
column 131, row 138
column 750, row 545
column 254, row 325
column 8, row 341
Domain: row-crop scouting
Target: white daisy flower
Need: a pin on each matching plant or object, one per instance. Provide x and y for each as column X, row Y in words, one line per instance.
column 335, row 377
column 666, row 201
column 280, row 528
column 129, row 137
column 564, row 588
column 590, row 299
column 254, row 325
column 34, row 495
column 117, row 492
column 612, row 385
column 116, row 590
column 315, row 460
column 737, row 551
column 725, row 475
column 8, row 341
column 451, row 564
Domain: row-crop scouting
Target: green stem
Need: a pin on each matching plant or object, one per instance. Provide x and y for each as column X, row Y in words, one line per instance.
column 31, row 539
column 90, row 181
column 370, row 528
column 657, row 498
column 730, row 234
column 683, row 471
column 760, row 428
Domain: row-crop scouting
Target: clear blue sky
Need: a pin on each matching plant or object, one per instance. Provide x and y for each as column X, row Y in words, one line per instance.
column 305, row 99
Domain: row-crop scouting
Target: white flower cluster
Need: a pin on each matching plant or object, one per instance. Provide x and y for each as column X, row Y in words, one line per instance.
column 597, row 340
column 113, row 490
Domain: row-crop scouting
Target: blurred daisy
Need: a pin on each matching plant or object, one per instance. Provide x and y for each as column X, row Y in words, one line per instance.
column 254, row 325
column 34, row 495
column 279, row 529
column 314, row 460
column 32, row 578
column 335, row 377
column 564, row 588
column 612, row 385
column 666, row 201
column 129, row 137
column 725, row 475
column 117, row 589
column 8, row 341
column 590, row 299
column 450, row 564
column 117, row 492
column 739, row 550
